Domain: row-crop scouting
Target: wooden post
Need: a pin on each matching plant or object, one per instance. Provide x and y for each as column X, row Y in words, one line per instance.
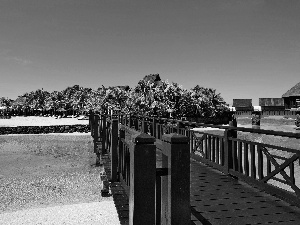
column 176, row 186
column 103, row 132
column 144, row 126
column 95, row 132
column 142, row 180
column 136, row 123
column 228, row 147
column 125, row 118
column 191, row 137
column 91, row 122
column 157, row 130
column 154, row 121
column 180, row 125
column 256, row 116
column 120, row 150
column 130, row 121
column 114, row 150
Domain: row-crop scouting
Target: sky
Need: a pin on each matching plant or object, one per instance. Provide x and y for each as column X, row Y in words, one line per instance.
column 242, row 48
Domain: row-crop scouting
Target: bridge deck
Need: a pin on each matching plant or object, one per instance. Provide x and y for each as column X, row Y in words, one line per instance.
column 220, row 199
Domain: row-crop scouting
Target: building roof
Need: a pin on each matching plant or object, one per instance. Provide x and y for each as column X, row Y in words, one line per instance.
column 242, row 103
column 271, row 102
column 294, row 91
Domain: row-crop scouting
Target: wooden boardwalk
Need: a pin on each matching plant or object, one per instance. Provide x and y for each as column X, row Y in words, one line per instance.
column 215, row 198
column 219, row 199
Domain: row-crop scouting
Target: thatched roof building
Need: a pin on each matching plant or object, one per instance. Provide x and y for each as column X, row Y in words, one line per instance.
column 242, row 104
column 294, row 91
column 271, row 103
column 20, row 102
column 292, row 97
column 152, row 78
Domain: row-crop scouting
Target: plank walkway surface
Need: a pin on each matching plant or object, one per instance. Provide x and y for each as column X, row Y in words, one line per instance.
column 218, row 199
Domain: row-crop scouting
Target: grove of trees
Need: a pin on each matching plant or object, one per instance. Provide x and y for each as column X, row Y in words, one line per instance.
column 148, row 98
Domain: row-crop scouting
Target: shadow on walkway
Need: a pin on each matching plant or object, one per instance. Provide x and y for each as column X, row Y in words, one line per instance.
column 220, row 199
column 118, row 193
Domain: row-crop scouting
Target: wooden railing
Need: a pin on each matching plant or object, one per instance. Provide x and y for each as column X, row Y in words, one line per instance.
column 272, row 168
column 155, row 173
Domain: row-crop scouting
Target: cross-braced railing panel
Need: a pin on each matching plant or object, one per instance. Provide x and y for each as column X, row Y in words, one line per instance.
column 267, row 166
column 209, row 148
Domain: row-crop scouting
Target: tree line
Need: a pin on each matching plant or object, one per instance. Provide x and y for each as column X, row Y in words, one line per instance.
column 148, row 98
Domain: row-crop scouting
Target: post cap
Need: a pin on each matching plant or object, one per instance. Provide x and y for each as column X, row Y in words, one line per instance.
column 143, row 138
column 175, row 138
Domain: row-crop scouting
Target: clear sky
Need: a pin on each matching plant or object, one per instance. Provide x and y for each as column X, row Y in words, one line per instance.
column 241, row 48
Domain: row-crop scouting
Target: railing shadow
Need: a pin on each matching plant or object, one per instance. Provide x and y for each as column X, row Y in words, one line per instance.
column 121, row 202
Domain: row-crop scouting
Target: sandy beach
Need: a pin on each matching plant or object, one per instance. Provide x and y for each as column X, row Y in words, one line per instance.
column 39, row 121
column 51, row 178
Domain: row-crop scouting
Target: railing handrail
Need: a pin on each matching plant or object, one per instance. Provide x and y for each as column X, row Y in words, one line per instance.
column 136, row 147
column 251, row 130
column 250, row 161
column 230, row 163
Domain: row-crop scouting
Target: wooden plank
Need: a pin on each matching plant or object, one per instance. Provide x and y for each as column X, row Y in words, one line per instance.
column 280, row 193
column 240, row 157
column 253, row 166
column 158, row 200
column 269, row 132
column 213, row 149
column 292, row 173
column 218, row 150
column 114, row 151
column 203, row 132
column 222, row 156
column 142, row 179
column 260, row 162
column 268, row 166
column 206, row 161
column 234, row 156
column 280, row 169
column 207, row 147
column 176, row 187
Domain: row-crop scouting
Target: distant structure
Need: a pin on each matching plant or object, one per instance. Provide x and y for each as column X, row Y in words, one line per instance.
column 271, row 104
column 242, row 104
column 292, row 97
column 290, row 101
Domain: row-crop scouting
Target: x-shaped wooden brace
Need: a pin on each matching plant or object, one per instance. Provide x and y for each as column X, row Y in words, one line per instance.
column 198, row 143
column 280, row 169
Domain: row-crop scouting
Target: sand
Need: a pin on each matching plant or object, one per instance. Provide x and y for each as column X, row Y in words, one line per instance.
column 39, row 121
column 103, row 212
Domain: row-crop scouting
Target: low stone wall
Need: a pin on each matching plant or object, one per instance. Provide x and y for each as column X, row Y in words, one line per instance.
column 45, row 129
column 5, row 117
